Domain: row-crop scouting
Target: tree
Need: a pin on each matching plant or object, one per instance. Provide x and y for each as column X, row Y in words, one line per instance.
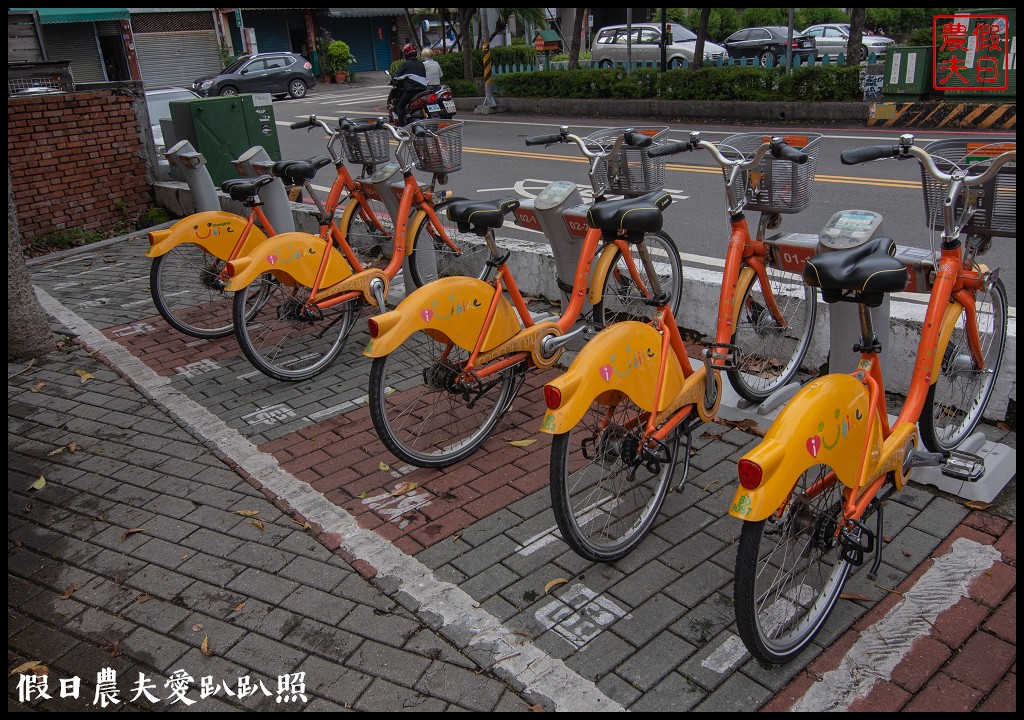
column 855, row 47
column 524, row 15
column 574, row 43
column 702, row 34
column 28, row 329
column 466, row 31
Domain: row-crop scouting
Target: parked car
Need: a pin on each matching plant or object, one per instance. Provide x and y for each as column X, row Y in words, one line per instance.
column 277, row 73
column 832, row 39
column 610, row 45
column 768, row 45
column 158, row 103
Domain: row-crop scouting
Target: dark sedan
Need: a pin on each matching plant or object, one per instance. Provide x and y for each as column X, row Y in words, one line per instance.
column 767, row 45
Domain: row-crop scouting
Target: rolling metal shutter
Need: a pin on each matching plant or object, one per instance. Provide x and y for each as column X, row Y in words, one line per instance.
column 77, row 43
column 356, row 32
column 271, row 28
column 177, row 58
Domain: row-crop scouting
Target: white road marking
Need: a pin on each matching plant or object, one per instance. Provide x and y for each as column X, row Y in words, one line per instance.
column 727, row 656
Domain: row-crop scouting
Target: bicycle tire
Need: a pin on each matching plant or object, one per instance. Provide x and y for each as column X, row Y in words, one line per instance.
column 189, row 294
column 441, row 261
column 778, row 610
column 606, row 504
column 281, row 338
column 956, row 401
column 420, row 415
column 372, row 245
column 621, row 299
column 771, row 356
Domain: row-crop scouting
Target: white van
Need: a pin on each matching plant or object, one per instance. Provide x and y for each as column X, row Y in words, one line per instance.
column 611, row 41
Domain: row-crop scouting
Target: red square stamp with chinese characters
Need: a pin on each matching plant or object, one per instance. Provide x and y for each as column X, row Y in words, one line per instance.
column 970, row 51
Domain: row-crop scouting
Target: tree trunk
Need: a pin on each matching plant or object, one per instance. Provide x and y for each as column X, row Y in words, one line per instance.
column 855, row 46
column 465, row 18
column 702, row 34
column 574, row 44
column 28, row 328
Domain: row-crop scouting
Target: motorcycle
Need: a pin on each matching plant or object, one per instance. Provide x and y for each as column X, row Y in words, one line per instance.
column 435, row 101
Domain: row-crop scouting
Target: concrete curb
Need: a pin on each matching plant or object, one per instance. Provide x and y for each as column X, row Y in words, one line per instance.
column 531, row 264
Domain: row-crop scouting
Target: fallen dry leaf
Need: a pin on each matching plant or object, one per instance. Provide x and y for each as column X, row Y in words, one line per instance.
column 205, row 647
column 247, row 513
column 38, row 484
column 238, row 607
column 403, row 488
column 384, row 467
column 111, row 646
column 30, row 665
column 522, row 443
column 56, row 451
column 554, row 583
column 72, row 447
column 197, row 627
column 301, row 523
column 710, row 436
column 71, row 591
column 362, row 495
column 977, row 505
column 38, row 386
column 131, row 531
column 257, row 523
column 85, row 375
column 144, row 597
column 536, row 708
column 853, row 596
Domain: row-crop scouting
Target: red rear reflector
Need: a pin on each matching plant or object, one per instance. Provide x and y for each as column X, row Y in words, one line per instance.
column 229, row 269
column 552, row 397
column 374, row 328
column 432, row 98
column 750, row 474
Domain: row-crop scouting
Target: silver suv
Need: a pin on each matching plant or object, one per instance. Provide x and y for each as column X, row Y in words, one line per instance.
column 610, row 45
column 832, row 40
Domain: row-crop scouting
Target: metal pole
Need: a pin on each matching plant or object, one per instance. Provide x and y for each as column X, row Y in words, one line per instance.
column 629, row 40
column 789, row 45
column 488, row 84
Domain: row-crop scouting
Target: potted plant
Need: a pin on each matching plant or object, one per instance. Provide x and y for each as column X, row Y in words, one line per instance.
column 323, row 61
column 339, row 57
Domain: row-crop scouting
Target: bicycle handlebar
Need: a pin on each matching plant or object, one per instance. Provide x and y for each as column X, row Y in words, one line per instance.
column 781, row 150
column 630, row 137
column 906, row 149
column 671, row 148
column 544, row 139
column 867, row 154
column 636, row 139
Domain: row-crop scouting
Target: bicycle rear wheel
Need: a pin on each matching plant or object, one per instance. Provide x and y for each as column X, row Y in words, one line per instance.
column 430, row 257
column 789, row 572
column 605, row 491
column 189, row 294
column 957, row 399
column 370, row 233
column 772, row 350
column 621, row 297
column 423, row 413
column 283, row 338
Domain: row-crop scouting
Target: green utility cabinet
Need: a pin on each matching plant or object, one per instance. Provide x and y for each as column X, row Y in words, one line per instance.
column 222, row 128
column 908, row 73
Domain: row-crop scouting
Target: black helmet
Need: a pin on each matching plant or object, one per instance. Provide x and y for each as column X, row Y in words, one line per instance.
column 409, row 50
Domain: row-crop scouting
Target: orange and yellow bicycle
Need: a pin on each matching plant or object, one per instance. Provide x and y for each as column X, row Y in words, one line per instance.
column 832, row 457
column 619, row 412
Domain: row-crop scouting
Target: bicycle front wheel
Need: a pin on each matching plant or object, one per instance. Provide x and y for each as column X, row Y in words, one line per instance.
column 622, row 298
column 430, row 257
column 282, row 337
column 606, row 489
column 369, row 231
column 189, row 293
column 424, row 412
column 789, row 572
column 771, row 347
column 957, row 399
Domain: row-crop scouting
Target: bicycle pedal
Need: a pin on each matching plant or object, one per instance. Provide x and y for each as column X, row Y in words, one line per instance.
column 723, row 356
column 964, row 466
column 853, row 548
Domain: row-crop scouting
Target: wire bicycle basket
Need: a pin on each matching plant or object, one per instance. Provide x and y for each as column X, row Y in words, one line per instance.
column 367, row 148
column 996, row 208
column 775, row 185
column 630, row 171
column 440, row 150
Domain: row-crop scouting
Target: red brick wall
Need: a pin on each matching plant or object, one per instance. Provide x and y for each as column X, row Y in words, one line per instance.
column 76, row 161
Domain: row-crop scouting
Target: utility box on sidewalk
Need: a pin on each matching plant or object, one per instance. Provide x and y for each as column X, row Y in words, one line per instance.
column 222, row 128
column 908, row 73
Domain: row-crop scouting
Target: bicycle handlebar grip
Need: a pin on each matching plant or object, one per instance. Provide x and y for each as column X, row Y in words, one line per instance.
column 637, row 139
column 872, row 152
column 308, row 122
column 671, row 148
column 544, row 139
column 782, row 151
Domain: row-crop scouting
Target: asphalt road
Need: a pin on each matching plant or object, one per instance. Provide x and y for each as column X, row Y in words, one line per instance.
column 497, row 162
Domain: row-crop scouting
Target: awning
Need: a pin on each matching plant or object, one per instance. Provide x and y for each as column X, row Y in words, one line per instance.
column 52, row 16
column 364, row 12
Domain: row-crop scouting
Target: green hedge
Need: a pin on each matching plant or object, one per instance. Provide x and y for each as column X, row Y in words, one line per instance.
column 817, row 84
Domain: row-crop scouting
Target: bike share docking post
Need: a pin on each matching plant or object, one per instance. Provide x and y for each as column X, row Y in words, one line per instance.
column 255, row 162
column 191, row 164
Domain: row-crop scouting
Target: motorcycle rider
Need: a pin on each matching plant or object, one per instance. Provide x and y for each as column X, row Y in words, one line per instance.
column 434, row 72
column 412, row 76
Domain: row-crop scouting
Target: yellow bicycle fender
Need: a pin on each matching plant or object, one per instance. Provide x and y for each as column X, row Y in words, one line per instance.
column 826, row 423
column 950, row 318
column 454, row 308
column 216, row 231
column 621, row 360
column 603, row 266
column 296, row 254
